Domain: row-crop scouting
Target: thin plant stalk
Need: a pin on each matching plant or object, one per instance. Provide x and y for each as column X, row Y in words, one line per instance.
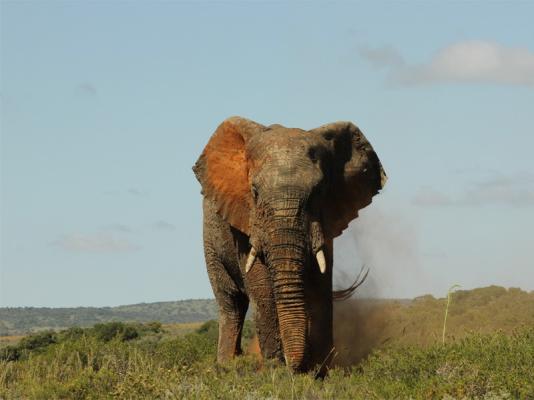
column 449, row 293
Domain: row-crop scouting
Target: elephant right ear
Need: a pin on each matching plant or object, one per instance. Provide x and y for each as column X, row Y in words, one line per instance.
column 222, row 170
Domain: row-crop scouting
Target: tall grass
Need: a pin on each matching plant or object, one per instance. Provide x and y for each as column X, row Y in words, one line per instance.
column 449, row 294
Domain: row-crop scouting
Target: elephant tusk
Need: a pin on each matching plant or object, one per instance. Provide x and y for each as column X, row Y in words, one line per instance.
column 321, row 261
column 250, row 259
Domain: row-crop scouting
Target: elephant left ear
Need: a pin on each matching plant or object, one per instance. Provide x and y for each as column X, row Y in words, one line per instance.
column 357, row 175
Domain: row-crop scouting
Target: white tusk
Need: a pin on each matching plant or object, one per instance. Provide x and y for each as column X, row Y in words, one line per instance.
column 321, row 261
column 250, row 259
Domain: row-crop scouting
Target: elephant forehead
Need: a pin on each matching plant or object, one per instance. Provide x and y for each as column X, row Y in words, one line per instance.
column 279, row 143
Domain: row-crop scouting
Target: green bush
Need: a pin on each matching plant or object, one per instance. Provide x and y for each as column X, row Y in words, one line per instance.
column 10, row 353
column 38, row 340
column 209, row 328
column 154, row 327
column 73, row 333
column 115, row 330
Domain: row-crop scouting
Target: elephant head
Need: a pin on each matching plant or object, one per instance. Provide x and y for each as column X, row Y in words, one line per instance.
column 290, row 191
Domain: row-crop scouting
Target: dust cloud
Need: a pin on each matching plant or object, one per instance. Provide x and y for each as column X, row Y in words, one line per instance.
column 386, row 244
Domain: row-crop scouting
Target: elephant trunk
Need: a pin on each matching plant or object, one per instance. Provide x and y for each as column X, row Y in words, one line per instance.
column 291, row 310
column 287, row 257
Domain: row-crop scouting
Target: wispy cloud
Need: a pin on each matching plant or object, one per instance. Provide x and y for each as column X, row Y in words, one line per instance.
column 131, row 191
column 86, row 89
column 162, row 225
column 381, row 57
column 428, row 197
column 94, row 243
column 121, row 228
column 473, row 61
column 137, row 192
column 515, row 190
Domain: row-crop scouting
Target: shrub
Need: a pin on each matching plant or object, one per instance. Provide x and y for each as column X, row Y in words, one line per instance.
column 38, row 340
column 210, row 329
column 10, row 353
column 73, row 333
column 115, row 330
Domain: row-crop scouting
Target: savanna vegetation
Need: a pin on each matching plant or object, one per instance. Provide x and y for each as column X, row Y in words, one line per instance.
column 395, row 350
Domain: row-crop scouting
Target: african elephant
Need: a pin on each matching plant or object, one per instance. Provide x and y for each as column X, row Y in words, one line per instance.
column 274, row 198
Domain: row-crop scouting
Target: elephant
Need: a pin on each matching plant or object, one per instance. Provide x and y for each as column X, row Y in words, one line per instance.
column 274, row 199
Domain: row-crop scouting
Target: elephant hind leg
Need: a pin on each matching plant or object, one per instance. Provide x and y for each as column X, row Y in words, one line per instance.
column 223, row 270
column 260, row 290
column 233, row 305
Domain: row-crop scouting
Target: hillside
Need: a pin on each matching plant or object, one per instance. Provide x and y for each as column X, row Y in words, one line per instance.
column 373, row 320
column 19, row 320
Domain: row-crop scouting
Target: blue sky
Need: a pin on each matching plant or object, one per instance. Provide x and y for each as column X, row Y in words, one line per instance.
column 105, row 106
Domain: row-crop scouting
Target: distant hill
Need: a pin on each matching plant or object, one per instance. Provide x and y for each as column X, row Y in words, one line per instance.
column 375, row 320
column 20, row 320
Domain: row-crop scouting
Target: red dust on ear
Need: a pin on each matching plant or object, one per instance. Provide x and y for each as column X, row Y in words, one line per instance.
column 222, row 171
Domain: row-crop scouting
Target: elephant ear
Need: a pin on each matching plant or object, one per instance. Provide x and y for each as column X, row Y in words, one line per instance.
column 356, row 175
column 222, row 170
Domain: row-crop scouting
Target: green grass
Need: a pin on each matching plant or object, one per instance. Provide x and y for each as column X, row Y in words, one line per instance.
column 85, row 364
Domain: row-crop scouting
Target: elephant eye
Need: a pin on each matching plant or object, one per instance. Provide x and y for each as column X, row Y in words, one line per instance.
column 254, row 191
column 328, row 136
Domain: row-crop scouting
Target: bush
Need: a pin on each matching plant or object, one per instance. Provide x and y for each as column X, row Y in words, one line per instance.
column 10, row 353
column 32, row 343
column 154, row 327
column 210, row 329
column 115, row 330
column 38, row 340
column 73, row 333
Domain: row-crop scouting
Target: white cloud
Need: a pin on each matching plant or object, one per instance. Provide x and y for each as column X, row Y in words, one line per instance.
column 473, row 61
column 94, row 243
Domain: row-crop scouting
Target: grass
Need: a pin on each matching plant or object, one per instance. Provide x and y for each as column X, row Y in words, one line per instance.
column 84, row 364
column 387, row 349
column 449, row 295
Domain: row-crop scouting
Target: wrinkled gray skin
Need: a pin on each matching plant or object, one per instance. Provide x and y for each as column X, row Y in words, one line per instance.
column 300, row 196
